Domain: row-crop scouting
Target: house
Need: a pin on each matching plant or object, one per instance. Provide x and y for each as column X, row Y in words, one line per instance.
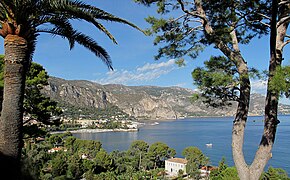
column 56, row 149
column 205, row 170
column 174, row 165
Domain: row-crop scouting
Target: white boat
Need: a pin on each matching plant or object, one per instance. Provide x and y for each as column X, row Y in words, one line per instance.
column 155, row 123
column 209, row 145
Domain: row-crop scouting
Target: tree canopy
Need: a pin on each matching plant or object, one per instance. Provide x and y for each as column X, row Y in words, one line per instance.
column 195, row 160
column 184, row 28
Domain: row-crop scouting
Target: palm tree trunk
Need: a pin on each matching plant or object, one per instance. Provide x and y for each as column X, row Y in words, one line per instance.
column 15, row 67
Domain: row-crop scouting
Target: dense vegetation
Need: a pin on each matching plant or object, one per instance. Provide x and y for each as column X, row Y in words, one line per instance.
column 76, row 159
column 85, row 158
column 77, row 112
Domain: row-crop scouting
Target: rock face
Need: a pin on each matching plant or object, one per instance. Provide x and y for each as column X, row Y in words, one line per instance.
column 141, row 102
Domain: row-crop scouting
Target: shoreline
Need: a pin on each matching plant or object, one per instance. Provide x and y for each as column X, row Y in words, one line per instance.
column 196, row 117
column 142, row 123
column 95, row 131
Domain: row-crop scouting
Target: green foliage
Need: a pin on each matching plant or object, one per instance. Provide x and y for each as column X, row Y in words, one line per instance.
column 218, row 81
column 180, row 62
column 36, row 105
column 76, row 112
column 38, row 163
column 180, row 173
column 181, row 34
column 69, row 142
column 59, row 164
column 139, row 152
column 89, row 175
column 87, row 147
column 67, row 163
column 160, row 151
column 216, row 173
column 281, row 81
column 195, row 160
column 55, row 139
column 103, row 161
column 275, row 174
column 36, row 76
column 229, row 173
column 74, row 168
column 194, row 98
column 139, row 146
column 33, row 159
column 112, row 125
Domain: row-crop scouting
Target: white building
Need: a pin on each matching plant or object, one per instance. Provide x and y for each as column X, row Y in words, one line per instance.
column 56, row 149
column 173, row 165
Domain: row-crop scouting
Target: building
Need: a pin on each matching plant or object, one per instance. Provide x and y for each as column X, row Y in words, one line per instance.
column 174, row 165
column 205, row 170
column 56, row 149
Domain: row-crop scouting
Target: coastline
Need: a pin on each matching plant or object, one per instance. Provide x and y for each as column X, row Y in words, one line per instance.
column 196, row 117
column 95, row 131
column 142, row 123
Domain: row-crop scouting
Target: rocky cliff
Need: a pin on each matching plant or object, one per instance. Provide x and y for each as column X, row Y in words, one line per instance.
column 141, row 102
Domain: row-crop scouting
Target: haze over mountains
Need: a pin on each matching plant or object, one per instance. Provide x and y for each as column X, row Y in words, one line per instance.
column 142, row 102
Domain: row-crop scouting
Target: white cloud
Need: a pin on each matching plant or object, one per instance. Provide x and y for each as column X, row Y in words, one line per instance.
column 182, row 84
column 148, row 67
column 140, row 75
column 259, row 86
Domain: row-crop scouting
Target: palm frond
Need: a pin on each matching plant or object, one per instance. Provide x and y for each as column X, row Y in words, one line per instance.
column 103, row 15
column 65, row 9
column 93, row 46
column 64, row 26
column 83, row 40
column 29, row 17
column 7, row 9
column 82, row 11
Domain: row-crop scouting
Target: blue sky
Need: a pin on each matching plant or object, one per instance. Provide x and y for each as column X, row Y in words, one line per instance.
column 133, row 56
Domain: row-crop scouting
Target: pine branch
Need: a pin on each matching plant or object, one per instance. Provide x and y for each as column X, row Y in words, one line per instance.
column 283, row 21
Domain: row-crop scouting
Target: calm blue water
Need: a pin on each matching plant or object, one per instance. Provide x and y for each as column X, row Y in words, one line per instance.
column 180, row 134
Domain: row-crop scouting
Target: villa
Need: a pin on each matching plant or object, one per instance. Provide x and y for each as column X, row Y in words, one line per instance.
column 174, row 165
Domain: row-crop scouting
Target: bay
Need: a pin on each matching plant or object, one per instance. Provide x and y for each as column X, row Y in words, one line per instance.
column 180, row 134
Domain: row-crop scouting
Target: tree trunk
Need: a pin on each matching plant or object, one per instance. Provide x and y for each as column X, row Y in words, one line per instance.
column 15, row 67
column 240, row 121
column 245, row 90
column 278, row 33
column 277, row 37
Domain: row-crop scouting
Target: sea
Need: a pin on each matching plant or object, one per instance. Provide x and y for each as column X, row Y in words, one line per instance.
column 199, row 132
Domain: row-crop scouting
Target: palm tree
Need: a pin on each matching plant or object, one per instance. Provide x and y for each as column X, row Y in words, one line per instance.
column 22, row 21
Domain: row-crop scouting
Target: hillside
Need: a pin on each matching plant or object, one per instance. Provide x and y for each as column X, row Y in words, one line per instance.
column 141, row 102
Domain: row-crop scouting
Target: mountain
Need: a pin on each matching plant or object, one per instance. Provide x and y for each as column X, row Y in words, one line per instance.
column 140, row 102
